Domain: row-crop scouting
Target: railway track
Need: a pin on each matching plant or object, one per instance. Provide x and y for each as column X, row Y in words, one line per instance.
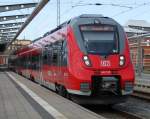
column 141, row 95
column 137, row 107
column 126, row 114
column 134, row 108
column 112, row 112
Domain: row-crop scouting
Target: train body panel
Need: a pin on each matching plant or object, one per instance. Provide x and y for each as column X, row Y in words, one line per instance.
column 87, row 56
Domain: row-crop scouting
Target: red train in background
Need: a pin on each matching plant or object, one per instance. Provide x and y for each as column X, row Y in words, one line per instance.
column 86, row 58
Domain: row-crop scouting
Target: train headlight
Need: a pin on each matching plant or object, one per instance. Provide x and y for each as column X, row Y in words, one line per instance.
column 122, row 60
column 85, row 57
column 86, row 61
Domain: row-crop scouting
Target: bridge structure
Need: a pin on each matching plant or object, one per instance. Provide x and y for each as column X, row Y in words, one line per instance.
column 12, row 24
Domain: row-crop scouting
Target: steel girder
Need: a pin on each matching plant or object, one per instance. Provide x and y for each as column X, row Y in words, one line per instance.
column 7, row 25
column 29, row 19
column 13, row 17
column 8, row 29
column 5, row 8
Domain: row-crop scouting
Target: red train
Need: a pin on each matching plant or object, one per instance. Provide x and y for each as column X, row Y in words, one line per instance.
column 86, row 58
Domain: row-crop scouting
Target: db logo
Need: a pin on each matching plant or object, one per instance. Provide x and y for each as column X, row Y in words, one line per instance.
column 105, row 63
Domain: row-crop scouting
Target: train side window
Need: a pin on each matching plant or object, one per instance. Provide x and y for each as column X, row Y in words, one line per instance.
column 59, row 52
column 35, row 62
column 54, row 53
column 44, row 58
column 64, row 48
column 57, row 48
column 64, row 53
column 29, row 62
column 54, row 57
column 49, row 55
column 38, row 61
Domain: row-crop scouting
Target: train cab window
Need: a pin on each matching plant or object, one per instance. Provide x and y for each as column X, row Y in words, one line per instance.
column 101, row 39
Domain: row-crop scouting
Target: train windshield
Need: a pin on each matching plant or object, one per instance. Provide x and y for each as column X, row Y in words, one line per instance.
column 101, row 40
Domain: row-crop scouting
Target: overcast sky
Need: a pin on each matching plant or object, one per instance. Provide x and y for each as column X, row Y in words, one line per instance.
column 120, row 10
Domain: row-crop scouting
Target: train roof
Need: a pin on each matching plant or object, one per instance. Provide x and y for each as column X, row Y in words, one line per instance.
column 92, row 18
column 82, row 19
column 69, row 21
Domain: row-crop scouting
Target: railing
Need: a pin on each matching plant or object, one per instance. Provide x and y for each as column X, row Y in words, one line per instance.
column 140, row 53
column 142, row 85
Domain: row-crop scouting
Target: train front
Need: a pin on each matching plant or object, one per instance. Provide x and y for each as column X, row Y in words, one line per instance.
column 99, row 61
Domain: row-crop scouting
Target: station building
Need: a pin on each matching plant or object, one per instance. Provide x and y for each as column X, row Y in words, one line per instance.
column 15, row 45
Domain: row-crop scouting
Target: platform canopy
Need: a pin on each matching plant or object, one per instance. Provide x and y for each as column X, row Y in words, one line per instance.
column 12, row 18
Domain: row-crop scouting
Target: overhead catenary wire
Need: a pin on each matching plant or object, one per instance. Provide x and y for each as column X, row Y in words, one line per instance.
column 142, row 12
column 125, row 11
column 100, row 4
column 128, row 6
column 80, row 3
column 68, row 10
column 46, row 22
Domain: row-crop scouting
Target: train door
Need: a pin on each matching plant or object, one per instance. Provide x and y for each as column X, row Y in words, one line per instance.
column 32, row 66
column 35, row 68
column 49, row 72
column 45, row 67
column 59, row 61
column 62, row 74
column 23, row 65
column 64, row 61
column 54, row 62
column 41, row 81
column 20, row 65
column 27, row 66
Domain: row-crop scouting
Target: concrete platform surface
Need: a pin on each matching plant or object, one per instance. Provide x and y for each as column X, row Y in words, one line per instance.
column 53, row 103
column 13, row 105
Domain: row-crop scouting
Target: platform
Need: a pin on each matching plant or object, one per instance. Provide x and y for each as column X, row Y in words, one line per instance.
column 13, row 105
column 22, row 99
column 143, row 76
